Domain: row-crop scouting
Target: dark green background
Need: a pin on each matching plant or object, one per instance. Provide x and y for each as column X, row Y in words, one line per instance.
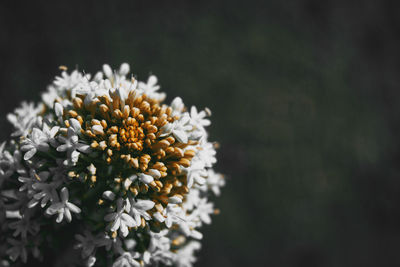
column 305, row 99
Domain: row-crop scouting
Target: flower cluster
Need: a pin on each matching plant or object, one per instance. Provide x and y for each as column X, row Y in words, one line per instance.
column 104, row 152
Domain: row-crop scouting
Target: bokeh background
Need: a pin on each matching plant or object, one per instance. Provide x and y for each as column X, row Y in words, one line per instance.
column 306, row 107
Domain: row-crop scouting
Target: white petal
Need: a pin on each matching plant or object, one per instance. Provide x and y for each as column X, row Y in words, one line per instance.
column 136, row 216
column 200, row 180
column 184, row 120
column 58, row 109
column 64, row 194
column 108, row 195
column 32, row 203
column 193, row 111
column 174, row 200
column 75, row 125
column 128, row 220
column 54, row 208
column 123, row 229
column 146, row 178
column 107, row 70
column 205, row 122
column 127, row 183
column 158, row 217
column 176, row 103
column 83, row 148
column 189, row 181
column 68, row 215
column 115, row 225
column 167, row 128
column 27, row 147
column 62, row 148
column 168, row 222
column 144, row 204
column 75, row 156
column 28, row 155
column 13, row 214
column 145, row 215
column 124, row 69
column 127, row 207
column 185, row 229
column 152, row 80
column 181, row 136
column 91, row 261
column 73, row 207
column 196, row 234
column 60, row 217
column 54, row 131
column 98, row 77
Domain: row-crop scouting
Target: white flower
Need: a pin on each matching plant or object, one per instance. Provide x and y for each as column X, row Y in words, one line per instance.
column 50, row 96
column 185, row 255
column 174, row 214
column 68, row 81
column 24, row 118
column 63, row 208
column 127, row 260
column 27, row 182
column 188, row 227
column 117, row 78
column 92, row 89
column 179, row 128
column 120, row 219
column 71, row 144
column 132, row 163
column 207, row 154
column 38, row 140
column 150, row 88
column 159, row 249
column 198, row 118
column 214, row 182
column 170, row 215
column 177, row 106
column 196, row 173
column 87, row 243
column 192, row 199
column 203, row 211
column 114, row 244
column 10, row 164
column 145, row 178
column 24, row 226
column 139, row 208
column 17, row 250
column 45, row 192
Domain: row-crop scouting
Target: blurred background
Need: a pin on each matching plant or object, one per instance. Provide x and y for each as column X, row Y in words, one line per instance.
column 306, row 107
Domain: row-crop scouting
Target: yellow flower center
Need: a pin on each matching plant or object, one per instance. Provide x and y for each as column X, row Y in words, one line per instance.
column 130, row 134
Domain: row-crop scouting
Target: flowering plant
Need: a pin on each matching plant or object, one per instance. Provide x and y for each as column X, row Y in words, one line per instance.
column 105, row 152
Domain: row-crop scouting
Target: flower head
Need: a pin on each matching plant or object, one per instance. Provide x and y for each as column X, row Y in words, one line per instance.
column 140, row 170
